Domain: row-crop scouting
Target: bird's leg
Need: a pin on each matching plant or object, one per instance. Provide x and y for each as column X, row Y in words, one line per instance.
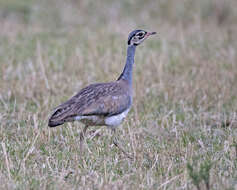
column 115, row 142
column 82, row 136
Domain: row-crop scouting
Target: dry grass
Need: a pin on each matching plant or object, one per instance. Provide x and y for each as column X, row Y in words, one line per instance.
column 182, row 129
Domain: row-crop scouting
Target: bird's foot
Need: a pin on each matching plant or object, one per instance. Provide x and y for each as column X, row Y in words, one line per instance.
column 122, row 150
column 115, row 142
column 82, row 137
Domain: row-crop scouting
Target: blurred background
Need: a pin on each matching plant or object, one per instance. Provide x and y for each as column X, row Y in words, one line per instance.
column 195, row 39
column 184, row 87
column 116, row 16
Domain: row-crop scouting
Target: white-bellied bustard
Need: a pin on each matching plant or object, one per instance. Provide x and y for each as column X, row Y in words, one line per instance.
column 102, row 103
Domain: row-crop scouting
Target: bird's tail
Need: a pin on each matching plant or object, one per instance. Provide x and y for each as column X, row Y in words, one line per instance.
column 54, row 123
column 57, row 118
column 61, row 114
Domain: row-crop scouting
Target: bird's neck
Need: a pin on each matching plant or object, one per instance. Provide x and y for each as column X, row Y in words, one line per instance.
column 127, row 71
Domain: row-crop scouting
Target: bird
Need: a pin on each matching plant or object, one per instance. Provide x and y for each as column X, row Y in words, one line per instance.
column 102, row 104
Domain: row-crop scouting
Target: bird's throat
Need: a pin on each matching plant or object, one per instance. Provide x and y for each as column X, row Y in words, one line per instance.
column 127, row 71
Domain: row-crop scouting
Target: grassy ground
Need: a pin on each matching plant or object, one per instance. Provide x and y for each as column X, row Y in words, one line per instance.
column 182, row 129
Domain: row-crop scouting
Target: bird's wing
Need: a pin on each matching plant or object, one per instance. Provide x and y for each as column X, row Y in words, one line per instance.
column 96, row 99
column 108, row 105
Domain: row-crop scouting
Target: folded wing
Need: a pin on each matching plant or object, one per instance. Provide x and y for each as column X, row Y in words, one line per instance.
column 105, row 99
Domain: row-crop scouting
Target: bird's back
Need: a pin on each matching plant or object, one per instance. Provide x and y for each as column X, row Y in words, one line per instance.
column 96, row 102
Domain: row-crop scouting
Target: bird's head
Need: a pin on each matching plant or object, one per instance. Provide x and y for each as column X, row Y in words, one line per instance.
column 136, row 37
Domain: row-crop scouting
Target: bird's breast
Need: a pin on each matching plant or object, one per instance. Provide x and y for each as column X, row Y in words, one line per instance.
column 115, row 120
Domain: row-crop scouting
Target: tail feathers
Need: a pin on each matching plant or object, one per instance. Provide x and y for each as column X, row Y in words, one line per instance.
column 53, row 123
column 57, row 118
column 60, row 115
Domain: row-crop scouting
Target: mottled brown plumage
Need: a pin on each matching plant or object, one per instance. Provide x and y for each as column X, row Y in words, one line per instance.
column 101, row 99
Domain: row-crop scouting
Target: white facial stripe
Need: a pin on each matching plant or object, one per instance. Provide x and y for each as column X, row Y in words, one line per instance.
column 140, row 34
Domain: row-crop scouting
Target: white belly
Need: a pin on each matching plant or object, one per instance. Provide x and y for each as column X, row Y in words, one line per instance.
column 111, row 121
column 91, row 120
column 115, row 120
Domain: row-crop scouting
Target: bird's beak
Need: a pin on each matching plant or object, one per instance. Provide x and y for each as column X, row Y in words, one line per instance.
column 150, row 33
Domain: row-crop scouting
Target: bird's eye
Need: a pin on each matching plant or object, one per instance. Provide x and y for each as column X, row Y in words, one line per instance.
column 140, row 34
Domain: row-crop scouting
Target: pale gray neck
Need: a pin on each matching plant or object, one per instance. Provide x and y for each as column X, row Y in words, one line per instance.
column 127, row 71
